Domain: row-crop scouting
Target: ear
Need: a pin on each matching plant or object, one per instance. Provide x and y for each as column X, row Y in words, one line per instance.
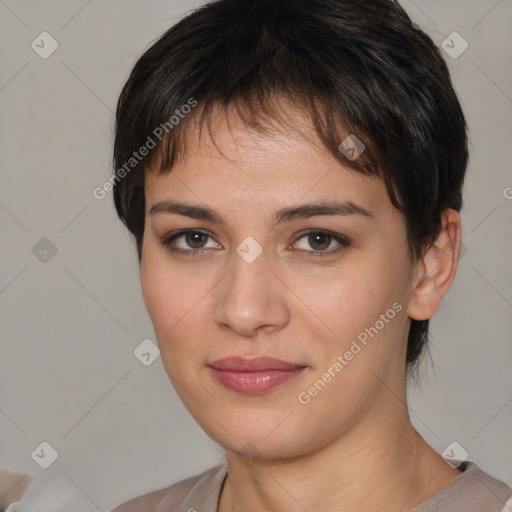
column 436, row 270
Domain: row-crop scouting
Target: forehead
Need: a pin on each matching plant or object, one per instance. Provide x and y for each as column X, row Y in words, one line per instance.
column 279, row 161
column 274, row 145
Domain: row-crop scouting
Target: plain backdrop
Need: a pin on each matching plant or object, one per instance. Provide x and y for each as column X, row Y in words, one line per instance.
column 71, row 310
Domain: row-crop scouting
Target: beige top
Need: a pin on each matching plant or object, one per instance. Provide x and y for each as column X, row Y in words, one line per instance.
column 12, row 487
column 471, row 491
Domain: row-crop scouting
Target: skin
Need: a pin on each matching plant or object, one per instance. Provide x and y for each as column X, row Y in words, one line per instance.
column 352, row 447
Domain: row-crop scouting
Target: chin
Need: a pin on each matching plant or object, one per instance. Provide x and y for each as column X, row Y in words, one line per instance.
column 260, row 436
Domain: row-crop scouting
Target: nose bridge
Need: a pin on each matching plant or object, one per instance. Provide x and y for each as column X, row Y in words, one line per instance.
column 249, row 262
column 251, row 295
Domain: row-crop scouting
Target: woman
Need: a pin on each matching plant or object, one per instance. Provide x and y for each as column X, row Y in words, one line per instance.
column 292, row 175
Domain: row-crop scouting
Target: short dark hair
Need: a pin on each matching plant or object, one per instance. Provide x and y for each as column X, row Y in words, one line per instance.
column 355, row 66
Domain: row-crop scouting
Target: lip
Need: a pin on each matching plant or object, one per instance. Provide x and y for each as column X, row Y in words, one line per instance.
column 242, row 364
column 254, row 376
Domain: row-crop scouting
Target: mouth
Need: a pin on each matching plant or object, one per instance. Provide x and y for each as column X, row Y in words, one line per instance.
column 254, row 376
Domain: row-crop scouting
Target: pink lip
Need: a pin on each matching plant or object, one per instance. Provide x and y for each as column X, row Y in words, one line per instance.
column 254, row 376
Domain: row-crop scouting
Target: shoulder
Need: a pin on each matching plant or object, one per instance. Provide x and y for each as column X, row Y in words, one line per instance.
column 201, row 490
column 12, row 486
column 492, row 493
column 473, row 490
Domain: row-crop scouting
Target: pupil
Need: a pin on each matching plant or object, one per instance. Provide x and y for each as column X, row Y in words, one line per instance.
column 195, row 238
column 320, row 236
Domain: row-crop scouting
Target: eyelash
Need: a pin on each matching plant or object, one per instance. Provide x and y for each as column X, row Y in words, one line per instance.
column 344, row 242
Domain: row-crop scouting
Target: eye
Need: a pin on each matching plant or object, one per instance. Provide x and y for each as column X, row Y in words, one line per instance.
column 191, row 241
column 194, row 242
column 322, row 242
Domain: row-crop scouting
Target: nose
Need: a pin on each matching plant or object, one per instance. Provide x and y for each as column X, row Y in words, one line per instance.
column 251, row 299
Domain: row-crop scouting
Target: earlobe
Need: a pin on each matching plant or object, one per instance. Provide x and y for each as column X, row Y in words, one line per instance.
column 436, row 270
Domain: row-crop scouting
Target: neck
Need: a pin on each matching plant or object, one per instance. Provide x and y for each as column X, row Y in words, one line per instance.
column 385, row 467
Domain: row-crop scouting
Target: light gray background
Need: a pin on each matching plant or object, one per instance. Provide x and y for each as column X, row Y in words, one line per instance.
column 68, row 374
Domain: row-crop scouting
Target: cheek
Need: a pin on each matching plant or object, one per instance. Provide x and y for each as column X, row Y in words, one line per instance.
column 356, row 305
column 164, row 290
column 154, row 290
column 161, row 296
column 175, row 302
column 343, row 298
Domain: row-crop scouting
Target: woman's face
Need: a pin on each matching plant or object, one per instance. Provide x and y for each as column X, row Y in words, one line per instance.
column 280, row 285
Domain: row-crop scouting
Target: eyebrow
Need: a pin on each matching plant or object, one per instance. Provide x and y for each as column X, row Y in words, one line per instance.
column 287, row 214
